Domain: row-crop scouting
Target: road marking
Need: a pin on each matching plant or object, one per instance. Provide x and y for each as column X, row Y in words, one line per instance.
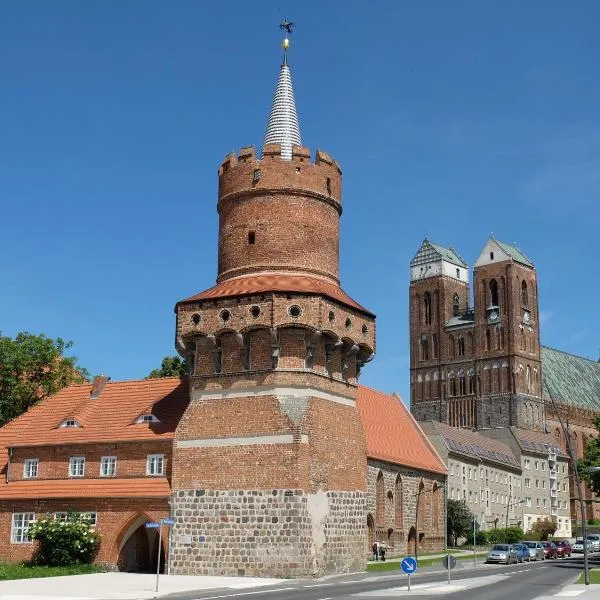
column 263, row 591
column 570, row 593
column 317, row 585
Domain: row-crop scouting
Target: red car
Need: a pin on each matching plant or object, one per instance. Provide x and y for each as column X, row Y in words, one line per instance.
column 563, row 549
column 550, row 550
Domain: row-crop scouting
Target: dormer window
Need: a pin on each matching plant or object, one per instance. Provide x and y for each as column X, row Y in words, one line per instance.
column 491, row 256
column 147, row 418
column 69, row 423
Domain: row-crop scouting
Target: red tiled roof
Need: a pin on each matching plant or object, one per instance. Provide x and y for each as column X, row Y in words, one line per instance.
column 393, row 434
column 109, row 417
column 148, row 487
column 258, row 284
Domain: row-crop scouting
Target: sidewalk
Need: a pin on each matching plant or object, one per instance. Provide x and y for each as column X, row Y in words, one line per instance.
column 122, row 586
column 575, row 590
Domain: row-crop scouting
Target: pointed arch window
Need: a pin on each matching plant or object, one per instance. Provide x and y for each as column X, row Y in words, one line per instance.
column 462, row 387
column 455, row 305
column 434, row 346
column 461, row 346
column 435, row 508
column 524, row 293
column 427, row 305
column 380, row 499
column 451, row 348
column 399, row 508
column 487, row 340
column 452, row 383
column 494, row 292
column 424, row 348
column 528, row 379
column 471, row 375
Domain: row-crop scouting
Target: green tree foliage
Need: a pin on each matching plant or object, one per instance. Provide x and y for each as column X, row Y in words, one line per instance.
column 171, row 366
column 459, row 520
column 543, row 529
column 64, row 542
column 592, row 459
column 33, row 367
column 481, row 538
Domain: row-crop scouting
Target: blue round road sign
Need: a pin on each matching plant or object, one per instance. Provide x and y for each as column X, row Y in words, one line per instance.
column 408, row 565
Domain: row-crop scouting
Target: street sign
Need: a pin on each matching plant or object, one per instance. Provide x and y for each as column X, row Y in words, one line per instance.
column 168, row 522
column 449, row 561
column 408, row 565
column 151, row 525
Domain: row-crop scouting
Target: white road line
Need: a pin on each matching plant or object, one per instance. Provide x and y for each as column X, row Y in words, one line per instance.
column 313, row 585
column 263, row 591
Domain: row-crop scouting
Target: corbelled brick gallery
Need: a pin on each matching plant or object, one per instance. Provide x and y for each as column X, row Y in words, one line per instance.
column 270, row 458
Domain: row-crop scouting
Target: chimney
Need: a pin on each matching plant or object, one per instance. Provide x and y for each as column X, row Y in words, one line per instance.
column 98, row 384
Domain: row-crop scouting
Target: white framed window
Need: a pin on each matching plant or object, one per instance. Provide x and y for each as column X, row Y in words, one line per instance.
column 147, row 418
column 77, row 466
column 155, row 464
column 108, row 466
column 543, row 466
column 527, row 463
column 61, row 516
column 30, row 468
column 545, row 503
column 537, row 465
column 20, row 527
column 69, row 423
column 528, row 501
column 91, row 516
column 527, row 482
column 537, row 502
column 543, row 483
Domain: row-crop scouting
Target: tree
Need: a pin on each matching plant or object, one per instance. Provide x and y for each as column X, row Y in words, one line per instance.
column 459, row 520
column 544, row 529
column 170, row 366
column 33, row 367
column 591, row 459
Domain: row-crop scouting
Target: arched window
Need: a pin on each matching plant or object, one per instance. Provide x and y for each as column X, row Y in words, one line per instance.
column 494, row 292
column 524, row 293
column 471, row 374
column 422, row 504
column 504, row 294
column 461, row 346
column 451, row 348
column 427, row 304
column 522, row 339
column 452, row 383
column 462, row 384
column 501, row 330
column 455, row 305
column 398, row 508
column 217, row 357
column 469, row 346
column 435, row 508
column 427, row 393
column 380, row 500
column 487, row 340
column 424, row 348
column 434, row 346
column 528, row 379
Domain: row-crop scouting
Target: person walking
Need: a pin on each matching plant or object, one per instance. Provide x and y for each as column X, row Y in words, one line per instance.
column 382, row 551
column 375, row 550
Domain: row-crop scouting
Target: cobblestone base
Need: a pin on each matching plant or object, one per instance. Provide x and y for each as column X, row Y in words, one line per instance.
column 274, row 533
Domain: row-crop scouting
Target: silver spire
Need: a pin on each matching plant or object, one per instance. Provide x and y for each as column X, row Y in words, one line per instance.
column 283, row 121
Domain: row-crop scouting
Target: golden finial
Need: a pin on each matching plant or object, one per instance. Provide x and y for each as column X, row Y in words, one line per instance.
column 287, row 27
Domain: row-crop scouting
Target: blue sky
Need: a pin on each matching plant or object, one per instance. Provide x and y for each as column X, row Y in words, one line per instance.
column 450, row 119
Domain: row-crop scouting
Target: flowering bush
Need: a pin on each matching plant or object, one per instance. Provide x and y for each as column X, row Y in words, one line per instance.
column 64, row 542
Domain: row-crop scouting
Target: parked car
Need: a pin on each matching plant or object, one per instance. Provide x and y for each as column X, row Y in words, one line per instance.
column 594, row 541
column 538, row 550
column 522, row 552
column 577, row 547
column 502, row 553
column 563, row 548
column 550, row 550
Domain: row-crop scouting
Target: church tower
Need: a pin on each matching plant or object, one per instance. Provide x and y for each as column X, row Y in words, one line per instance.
column 269, row 466
column 507, row 333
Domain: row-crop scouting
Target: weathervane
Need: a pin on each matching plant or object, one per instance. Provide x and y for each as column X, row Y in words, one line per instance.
column 287, row 27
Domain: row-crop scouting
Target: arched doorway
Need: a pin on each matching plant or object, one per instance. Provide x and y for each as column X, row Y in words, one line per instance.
column 139, row 548
column 371, row 532
column 412, row 540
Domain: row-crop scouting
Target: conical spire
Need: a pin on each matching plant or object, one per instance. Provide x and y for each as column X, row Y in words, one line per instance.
column 283, row 121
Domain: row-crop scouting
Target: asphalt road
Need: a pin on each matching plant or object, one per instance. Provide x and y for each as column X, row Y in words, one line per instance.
column 484, row 582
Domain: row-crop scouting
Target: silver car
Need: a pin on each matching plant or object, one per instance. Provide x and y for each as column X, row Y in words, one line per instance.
column 593, row 542
column 536, row 550
column 502, row 553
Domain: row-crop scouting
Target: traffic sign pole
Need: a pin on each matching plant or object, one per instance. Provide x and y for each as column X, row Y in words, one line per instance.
column 409, row 582
column 158, row 557
column 448, row 562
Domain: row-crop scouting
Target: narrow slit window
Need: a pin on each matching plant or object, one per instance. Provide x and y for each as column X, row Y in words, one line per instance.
column 251, row 237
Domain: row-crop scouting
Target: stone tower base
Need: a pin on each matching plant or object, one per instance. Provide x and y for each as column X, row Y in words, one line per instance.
column 274, row 533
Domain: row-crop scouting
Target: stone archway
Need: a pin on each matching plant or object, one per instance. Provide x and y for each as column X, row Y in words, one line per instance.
column 138, row 548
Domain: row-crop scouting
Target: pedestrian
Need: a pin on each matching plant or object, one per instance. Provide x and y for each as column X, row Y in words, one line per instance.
column 382, row 550
column 375, row 550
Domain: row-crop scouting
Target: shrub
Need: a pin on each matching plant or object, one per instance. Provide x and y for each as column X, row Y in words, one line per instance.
column 544, row 528
column 64, row 542
column 505, row 536
column 481, row 538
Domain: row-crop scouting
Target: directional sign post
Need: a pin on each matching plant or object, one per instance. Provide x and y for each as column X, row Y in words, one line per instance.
column 168, row 523
column 449, row 564
column 408, row 566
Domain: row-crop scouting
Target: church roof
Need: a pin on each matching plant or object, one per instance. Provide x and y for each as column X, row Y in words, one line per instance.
column 283, row 125
column 392, row 433
column 570, row 379
column 514, row 253
column 257, row 284
column 429, row 252
column 475, row 445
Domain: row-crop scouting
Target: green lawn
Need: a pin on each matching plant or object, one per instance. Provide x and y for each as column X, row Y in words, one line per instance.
column 394, row 564
column 594, row 576
column 11, row 571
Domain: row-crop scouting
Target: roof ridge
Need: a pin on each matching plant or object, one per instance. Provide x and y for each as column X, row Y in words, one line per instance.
column 595, row 362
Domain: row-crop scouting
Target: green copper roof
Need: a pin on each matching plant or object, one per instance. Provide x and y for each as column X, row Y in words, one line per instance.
column 571, row 379
column 515, row 253
column 449, row 254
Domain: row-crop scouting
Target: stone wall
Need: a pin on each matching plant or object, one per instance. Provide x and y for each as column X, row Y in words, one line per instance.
column 279, row 533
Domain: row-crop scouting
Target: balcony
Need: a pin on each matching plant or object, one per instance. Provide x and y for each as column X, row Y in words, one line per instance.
column 552, row 473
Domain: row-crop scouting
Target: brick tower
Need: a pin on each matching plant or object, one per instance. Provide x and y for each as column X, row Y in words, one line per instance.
column 269, row 464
